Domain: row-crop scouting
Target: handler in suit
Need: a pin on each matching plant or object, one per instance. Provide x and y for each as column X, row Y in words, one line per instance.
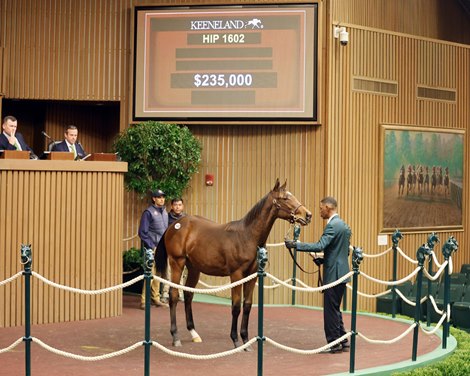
column 70, row 143
column 10, row 139
column 334, row 242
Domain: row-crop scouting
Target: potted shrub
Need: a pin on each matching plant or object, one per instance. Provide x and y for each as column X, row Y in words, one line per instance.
column 132, row 267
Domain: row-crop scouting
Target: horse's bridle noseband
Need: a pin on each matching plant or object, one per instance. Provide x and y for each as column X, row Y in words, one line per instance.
column 292, row 213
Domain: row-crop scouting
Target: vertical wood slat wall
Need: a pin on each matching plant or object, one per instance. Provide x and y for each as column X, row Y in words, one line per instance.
column 64, row 215
column 354, row 138
column 66, row 49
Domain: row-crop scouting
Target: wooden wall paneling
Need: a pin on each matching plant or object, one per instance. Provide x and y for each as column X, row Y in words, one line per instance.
column 50, row 210
column 426, row 18
column 375, row 54
column 66, row 50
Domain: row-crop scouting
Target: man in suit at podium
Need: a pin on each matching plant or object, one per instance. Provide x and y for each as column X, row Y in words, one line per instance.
column 10, row 139
column 70, row 143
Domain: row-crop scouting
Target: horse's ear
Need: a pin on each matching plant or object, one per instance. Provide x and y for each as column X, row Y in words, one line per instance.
column 276, row 185
column 283, row 187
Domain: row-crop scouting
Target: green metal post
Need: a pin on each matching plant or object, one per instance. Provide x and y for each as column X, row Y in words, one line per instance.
column 294, row 274
column 294, row 271
column 432, row 240
column 26, row 260
column 356, row 260
column 148, row 264
column 450, row 246
column 262, row 260
column 421, row 256
column 396, row 237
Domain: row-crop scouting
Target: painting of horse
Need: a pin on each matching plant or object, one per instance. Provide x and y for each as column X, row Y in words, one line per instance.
column 230, row 249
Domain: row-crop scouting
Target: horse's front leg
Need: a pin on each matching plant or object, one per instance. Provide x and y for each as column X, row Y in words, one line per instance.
column 248, row 288
column 176, row 269
column 191, row 281
column 236, row 304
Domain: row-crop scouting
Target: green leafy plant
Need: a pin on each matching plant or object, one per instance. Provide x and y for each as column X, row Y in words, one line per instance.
column 456, row 364
column 159, row 155
column 132, row 260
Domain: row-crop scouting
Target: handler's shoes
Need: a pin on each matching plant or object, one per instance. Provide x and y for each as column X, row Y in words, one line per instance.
column 333, row 350
column 159, row 303
column 345, row 345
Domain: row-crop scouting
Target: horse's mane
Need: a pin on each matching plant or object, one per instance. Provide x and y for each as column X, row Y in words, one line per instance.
column 249, row 217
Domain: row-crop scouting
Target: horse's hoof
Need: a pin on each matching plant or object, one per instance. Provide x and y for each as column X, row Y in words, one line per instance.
column 249, row 349
column 197, row 339
column 236, row 344
column 177, row 343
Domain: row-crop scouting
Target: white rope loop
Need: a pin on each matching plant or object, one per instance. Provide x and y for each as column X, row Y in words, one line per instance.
column 86, row 358
column 430, row 332
column 311, row 289
column 437, row 274
column 390, row 341
column 393, row 283
column 12, row 346
column 206, row 291
column 377, row 254
column 308, row 352
column 204, row 357
column 88, row 292
column 10, row 279
column 369, row 295
column 405, row 256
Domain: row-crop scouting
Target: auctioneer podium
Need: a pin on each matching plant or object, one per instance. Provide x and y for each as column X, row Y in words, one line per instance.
column 71, row 212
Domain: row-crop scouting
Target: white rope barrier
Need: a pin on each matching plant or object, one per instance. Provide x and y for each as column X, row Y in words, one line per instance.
column 437, row 274
column 206, row 291
column 434, row 258
column 388, row 342
column 275, row 244
column 436, row 308
column 130, row 238
column 204, row 357
column 87, row 292
column 12, row 278
column 266, row 287
column 86, row 358
column 430, row 332
column 404, row 298
column 377, row 255
column 451, row 266
column 310, row 289
column 369, row 295
column 308, row 352
column 12, row 346
column 406, row 256
column 392, row 283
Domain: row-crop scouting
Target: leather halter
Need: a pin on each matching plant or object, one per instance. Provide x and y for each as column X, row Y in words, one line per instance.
column 291, row 212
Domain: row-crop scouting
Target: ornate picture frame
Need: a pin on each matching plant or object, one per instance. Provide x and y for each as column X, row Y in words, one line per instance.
column 421, row 179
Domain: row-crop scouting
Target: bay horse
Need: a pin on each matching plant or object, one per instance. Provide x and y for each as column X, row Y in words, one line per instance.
column 230, row 249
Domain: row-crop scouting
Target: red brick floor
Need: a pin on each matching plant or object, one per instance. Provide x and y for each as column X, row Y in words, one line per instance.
column 292, row 326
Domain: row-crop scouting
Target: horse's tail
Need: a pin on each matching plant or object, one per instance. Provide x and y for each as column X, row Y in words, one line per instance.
column 161, row 256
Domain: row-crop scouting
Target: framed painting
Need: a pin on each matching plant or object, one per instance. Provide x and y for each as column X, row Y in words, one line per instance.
column 421, row 179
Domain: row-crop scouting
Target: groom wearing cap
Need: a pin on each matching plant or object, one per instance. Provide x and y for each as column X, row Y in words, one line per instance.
column 153, row 223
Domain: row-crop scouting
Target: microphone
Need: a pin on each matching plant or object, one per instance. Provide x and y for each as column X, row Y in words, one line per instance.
column 52, row 141
column 46, row 135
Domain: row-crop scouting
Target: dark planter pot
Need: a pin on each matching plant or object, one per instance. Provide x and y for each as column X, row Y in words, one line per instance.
column 137, row 286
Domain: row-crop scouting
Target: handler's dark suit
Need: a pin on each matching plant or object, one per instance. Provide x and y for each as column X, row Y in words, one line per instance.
column 5, row 144
column 335, row 244
column 62, row 146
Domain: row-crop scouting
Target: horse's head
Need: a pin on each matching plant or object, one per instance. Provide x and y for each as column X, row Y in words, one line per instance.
column 288, row 207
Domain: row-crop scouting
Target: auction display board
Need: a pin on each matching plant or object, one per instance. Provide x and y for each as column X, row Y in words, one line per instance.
column 226, row 63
